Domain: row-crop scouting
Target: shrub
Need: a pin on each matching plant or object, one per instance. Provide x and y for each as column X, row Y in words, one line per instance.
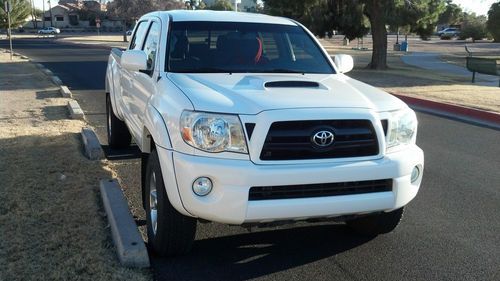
column 475, row 30
column 493, row 22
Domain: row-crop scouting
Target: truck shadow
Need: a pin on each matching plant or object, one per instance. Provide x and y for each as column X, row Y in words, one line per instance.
column 251, row 255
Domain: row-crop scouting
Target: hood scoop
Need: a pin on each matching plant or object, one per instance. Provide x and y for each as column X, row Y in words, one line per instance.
column 291, row 84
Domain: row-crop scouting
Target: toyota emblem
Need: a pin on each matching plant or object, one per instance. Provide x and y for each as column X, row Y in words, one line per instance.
column 323, row 138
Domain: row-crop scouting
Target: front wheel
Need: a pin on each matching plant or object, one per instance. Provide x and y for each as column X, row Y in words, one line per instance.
column 118, row 133
column 169, row 232
column 376, row 224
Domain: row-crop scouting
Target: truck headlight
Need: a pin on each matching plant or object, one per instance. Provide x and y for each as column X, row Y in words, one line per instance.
column 212, row 132
column 402, row 128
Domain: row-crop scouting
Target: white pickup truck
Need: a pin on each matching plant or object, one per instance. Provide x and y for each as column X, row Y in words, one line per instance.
column 245, row 119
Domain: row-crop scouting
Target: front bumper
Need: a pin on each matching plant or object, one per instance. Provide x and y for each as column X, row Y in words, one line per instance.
column 228, row 202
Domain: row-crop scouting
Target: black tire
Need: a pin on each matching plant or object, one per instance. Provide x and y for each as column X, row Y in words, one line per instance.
column 376, row 224
column 175, row 232
column 118, row 133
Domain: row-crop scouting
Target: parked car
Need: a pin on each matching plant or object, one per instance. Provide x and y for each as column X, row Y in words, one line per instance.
column 249, row 121
column 49, row 30
column 448, row 33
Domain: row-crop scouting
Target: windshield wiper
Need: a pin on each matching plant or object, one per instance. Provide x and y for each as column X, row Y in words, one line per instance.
column 282, row 70
column 203, row 70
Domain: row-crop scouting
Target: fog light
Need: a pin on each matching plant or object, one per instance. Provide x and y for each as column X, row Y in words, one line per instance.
column 202, row 186
column 415, row 174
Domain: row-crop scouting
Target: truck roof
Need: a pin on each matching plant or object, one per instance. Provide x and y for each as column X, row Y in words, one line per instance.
column 221, row 16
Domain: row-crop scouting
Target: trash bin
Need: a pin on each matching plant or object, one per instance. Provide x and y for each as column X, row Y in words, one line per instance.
column 397, row 47
column 404, row 46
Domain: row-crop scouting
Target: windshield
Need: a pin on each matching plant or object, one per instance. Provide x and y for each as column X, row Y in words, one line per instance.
column 216, row 47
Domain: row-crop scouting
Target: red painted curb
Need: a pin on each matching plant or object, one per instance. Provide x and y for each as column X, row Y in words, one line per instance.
column 467, row 112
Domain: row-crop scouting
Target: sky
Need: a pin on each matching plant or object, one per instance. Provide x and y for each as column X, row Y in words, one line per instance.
column 479, row 7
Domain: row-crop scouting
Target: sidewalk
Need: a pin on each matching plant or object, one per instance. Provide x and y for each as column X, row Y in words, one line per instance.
column 432, row 61
column 52, row 224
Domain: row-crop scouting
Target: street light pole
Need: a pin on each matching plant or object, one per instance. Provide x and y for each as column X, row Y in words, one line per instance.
column 8, row 9
column 43, row 14
column 50, row 10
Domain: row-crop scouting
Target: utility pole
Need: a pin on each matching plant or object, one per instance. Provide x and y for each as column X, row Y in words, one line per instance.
column 235, row 5
column 8, row 9
column 33, row 17
column 50, row 10
column 43, row 14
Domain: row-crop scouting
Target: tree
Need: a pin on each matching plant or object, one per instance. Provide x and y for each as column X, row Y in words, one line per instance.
column 427, row 18
column 421, row 15
column 350, row 19
column 21, row 10
column 131, row 10
column 493, row 22
column 221, row 5
column 452, row 14
column 473, row 27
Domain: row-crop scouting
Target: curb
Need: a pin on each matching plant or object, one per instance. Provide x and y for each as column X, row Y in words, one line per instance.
column 130, row 247
column 467, row 114
column 65, row 92
column 85, row 45
column 92, row 146
column 75, row 111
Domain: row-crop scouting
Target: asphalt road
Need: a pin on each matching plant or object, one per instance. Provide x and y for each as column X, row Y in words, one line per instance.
column 451, row 231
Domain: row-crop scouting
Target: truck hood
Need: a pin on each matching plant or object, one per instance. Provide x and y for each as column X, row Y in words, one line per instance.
column 250, row 93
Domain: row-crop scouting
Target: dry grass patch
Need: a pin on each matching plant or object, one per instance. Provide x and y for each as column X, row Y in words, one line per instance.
column 419, row 83
column 52, row 224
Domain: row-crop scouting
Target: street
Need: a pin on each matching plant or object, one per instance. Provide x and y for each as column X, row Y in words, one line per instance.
column 449, row 232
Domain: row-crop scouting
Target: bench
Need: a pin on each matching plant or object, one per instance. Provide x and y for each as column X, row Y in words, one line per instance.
column 485, row 65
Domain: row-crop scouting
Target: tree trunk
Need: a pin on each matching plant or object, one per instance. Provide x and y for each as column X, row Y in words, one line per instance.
column 379, row 36
column 124, row 23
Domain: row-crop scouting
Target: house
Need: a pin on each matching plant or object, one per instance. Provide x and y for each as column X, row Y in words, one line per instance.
column 74, row 13
column 62, row 16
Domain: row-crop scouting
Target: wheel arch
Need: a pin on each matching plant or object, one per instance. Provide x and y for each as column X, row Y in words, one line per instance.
column 154, row 131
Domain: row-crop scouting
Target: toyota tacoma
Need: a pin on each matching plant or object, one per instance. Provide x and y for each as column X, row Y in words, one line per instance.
column 245, row 119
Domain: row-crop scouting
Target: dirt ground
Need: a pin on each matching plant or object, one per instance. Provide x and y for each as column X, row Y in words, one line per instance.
column 403, row 79
column 52, row 223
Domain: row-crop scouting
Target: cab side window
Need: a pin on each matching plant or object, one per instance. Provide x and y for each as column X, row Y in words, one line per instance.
column 140, row 32
column 151, row 45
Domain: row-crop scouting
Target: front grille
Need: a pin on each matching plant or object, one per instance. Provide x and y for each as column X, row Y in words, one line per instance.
column 292, row 140
column 318, row 190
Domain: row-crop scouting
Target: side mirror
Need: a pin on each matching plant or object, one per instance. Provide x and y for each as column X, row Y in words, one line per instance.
column 134, row 60
column 344, row 63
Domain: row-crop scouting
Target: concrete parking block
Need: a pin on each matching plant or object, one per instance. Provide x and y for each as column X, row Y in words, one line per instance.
column 65, row 92
column 56, row 80
column 92, row 146
column 75, row 111
column 130, row 247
